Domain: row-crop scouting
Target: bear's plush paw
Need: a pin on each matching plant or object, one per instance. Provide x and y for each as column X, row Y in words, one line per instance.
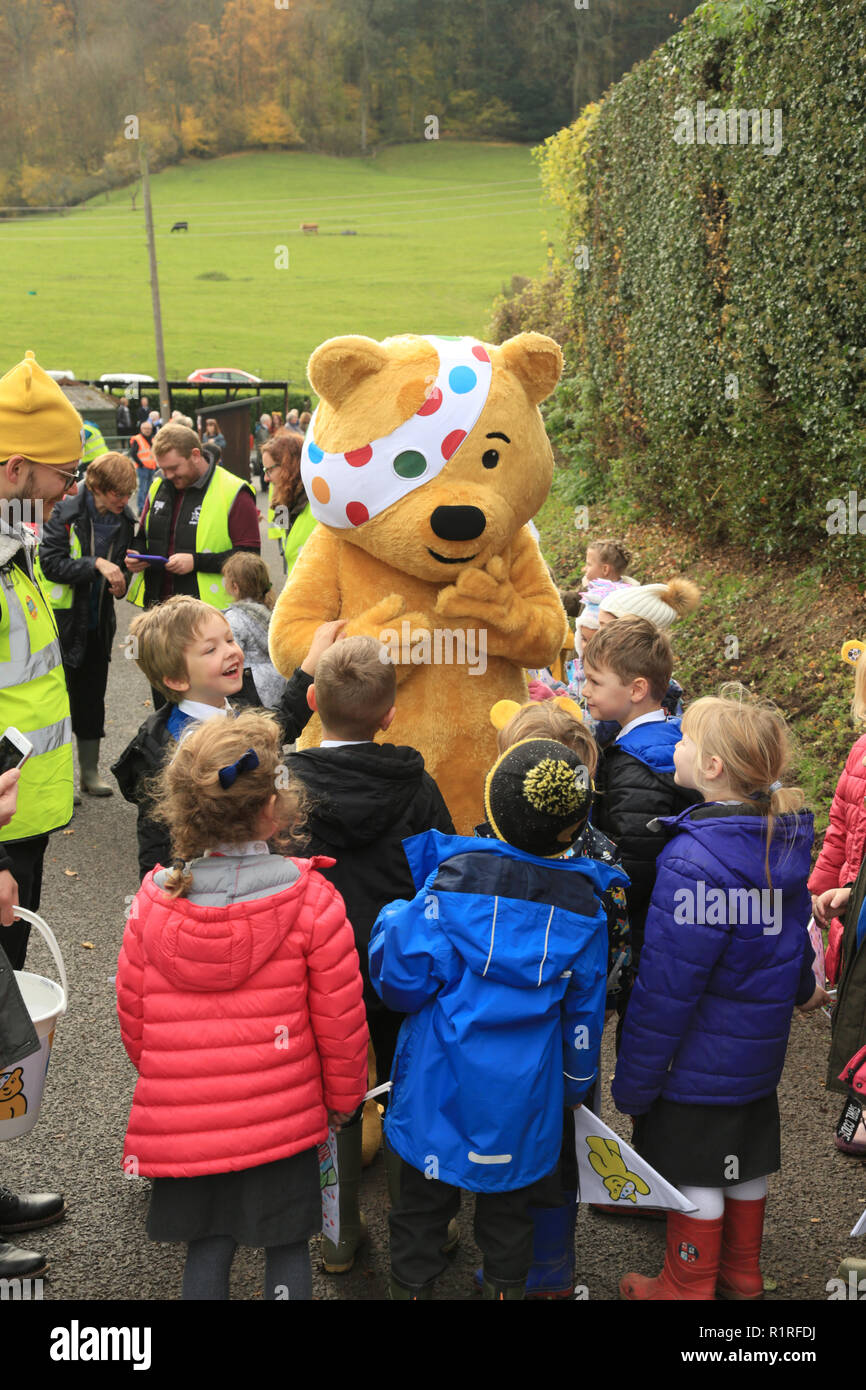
column 372, row 620
column 486, row 596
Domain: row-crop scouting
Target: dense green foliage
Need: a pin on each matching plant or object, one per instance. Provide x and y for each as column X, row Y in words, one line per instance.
column 717, row 345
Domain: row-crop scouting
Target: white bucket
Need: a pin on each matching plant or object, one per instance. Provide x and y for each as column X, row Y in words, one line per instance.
column 21, row 1085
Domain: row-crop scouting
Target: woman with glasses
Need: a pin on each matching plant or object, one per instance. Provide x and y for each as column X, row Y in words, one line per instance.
column 82, row 555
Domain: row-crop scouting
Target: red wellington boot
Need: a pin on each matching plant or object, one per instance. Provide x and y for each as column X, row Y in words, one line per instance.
column 739, row 1269
column 691, row 1263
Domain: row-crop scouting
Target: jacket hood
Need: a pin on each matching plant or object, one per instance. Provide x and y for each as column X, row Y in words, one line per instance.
column 360, row 791
column 653, row 743
column 736, row 839
column 216, row 948
column 525, row 938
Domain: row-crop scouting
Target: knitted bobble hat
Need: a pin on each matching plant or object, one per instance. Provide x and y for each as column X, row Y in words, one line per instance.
column 662, row 604
column 537, row 797
column 36, row 419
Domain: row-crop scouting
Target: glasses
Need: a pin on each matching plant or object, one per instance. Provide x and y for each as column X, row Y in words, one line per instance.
column 68, row 476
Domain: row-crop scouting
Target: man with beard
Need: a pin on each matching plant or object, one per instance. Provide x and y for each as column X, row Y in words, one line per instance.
column 40, row 446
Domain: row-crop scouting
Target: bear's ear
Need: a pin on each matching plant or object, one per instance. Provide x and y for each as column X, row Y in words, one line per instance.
column 340, row 364
column 536, row 360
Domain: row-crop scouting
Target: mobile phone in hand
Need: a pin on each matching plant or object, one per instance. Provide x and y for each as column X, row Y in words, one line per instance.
column 15, row 749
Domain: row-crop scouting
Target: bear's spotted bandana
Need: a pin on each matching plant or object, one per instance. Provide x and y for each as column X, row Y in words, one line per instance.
column 348, row 489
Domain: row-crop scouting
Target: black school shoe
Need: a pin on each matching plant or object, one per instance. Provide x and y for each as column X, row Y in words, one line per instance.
column 29, row 1211
column 20, row 1264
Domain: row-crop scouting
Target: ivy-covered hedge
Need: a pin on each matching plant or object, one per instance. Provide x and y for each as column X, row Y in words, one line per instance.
column 717, row 343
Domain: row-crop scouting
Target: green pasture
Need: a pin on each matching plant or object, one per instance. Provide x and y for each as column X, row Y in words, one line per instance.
column 440, row 227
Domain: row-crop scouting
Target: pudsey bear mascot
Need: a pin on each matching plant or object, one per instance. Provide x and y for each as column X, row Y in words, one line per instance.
column 423, row 462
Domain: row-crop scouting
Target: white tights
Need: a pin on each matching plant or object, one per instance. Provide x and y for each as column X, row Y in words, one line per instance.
column 710, row 1201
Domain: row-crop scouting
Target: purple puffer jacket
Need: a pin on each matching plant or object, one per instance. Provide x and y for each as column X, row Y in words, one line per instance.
column 720, row 973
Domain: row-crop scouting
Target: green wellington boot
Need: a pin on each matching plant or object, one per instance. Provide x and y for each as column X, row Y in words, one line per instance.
column 498, row 1290
column 88, row 761
column 393, row 1164
column 338, row 1259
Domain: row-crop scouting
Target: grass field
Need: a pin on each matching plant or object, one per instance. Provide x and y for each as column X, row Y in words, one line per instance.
column 440, row 227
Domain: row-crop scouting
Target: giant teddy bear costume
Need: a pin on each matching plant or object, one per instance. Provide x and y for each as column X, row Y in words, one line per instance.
column 424, row 461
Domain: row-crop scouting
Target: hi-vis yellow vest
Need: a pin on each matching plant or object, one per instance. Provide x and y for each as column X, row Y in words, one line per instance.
column 300, row 533
column 59, row 595
column 212, row 534
column 33, row 698
column 275, row 531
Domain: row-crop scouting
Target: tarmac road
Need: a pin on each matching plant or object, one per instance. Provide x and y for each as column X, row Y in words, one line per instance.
column 101, row 1252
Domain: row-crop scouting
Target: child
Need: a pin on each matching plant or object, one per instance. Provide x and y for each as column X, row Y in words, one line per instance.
column 248, row 584
column 366, row 799
column 553, row 1262
column 726, row 958
column 500, row 962
column 187, row 651
column 628, row 668
column 239, row 998
column 845, row 838
column 606, row 560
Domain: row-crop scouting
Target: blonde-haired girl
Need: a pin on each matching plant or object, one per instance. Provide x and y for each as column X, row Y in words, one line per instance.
column 240, row 1005
column 248, row 584
column 726, row 958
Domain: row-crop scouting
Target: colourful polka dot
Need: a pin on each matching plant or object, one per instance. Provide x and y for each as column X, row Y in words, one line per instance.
column 321, row 491
column 432, row 403
column 358, row 457
column 481, row 353
column 461, row 380
column 410, row 464
column 357, row 513
column 451, row 442
column 315, row 453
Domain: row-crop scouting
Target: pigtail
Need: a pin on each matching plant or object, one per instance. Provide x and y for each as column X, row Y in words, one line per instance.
column 178, row 880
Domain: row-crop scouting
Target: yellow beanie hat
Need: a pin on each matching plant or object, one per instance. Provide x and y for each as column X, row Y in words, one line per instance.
column 36, row 419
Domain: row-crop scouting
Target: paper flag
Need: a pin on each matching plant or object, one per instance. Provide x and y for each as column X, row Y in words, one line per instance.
column 860, row 1228
column 329, row 1180
column 609, row 1171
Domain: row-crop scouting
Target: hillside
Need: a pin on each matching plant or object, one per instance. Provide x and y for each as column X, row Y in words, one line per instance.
column 789, row 621
column 437, row 230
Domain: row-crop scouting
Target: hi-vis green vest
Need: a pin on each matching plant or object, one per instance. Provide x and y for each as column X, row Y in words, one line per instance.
column 59, row 595
column 94, row 444
column 300, row 533
column 212, row 535
column 33, row 699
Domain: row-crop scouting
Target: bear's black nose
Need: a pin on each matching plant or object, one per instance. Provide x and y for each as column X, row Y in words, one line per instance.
column 458, row 523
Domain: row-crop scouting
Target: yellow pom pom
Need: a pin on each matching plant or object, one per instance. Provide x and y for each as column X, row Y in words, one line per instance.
column 550, row 787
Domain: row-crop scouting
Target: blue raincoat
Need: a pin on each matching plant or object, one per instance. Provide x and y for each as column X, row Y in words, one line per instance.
column 500, row 961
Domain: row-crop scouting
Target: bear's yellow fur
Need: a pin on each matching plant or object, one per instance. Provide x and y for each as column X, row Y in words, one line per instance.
column 394, row 569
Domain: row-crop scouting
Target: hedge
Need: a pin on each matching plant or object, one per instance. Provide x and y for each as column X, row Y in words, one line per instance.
column 717, row 336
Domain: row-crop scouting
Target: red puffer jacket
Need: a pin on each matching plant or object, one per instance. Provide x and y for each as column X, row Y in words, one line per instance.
column 245, row 1019
column 844, row 843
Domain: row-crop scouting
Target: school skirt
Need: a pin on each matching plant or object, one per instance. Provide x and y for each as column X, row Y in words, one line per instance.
column 710, row 1145
column 275, row 1204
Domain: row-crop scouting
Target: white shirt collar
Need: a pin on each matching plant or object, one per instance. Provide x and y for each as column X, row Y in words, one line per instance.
column 196, row 710
column 652, row 718
column 342, row 742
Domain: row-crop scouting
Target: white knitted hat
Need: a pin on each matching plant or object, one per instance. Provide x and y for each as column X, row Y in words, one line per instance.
column 662, row 604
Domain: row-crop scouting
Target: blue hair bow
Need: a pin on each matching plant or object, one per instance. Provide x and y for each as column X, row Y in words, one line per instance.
column 228, row 775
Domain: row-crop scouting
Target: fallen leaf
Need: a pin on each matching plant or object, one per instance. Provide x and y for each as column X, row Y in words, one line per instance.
column 813, row 1219
column 69, row 832
column 88, row 945
column 70, row 873
column 770, row 1285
